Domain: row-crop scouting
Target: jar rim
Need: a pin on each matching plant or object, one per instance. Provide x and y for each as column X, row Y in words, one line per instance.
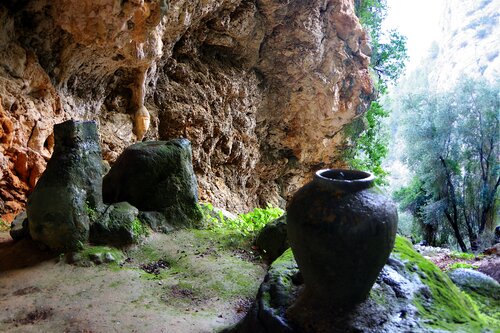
column 344, row 179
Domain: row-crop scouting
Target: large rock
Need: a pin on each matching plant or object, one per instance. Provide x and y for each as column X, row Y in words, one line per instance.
column 156, row 176
column 19, row 227
column 272, row 239
column 118, row 225
column 71, row 185
column 410, row 295
column 470, row 280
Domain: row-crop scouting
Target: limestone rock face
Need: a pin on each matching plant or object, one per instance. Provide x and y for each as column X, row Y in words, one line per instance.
column 469, row 43
column 261, row 88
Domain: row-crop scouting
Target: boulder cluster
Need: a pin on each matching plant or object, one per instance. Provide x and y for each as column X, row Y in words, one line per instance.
column 74, row 202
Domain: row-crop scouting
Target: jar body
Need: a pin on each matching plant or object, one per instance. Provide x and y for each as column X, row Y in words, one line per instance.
column 341, row 237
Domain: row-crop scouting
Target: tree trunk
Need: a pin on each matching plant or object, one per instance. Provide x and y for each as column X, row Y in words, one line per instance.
column 453, row 220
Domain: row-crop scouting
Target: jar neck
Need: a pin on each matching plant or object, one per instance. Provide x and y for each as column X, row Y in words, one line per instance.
column 344, row 180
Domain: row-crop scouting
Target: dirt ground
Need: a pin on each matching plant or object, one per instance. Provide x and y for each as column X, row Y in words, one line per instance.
column 202, row 287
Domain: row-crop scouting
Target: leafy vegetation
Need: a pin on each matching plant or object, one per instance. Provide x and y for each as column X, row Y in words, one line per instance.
column 248, row 224
column 91, row 212
column 453, row 150
column 4, row 226
column 462, row 265
column 138, row 229
column 367, row 138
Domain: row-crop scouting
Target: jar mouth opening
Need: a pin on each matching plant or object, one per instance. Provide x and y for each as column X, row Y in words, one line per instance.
column 355, row 179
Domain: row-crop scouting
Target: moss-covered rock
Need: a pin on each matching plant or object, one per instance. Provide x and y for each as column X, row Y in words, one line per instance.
column 156, row 176
column 483, row 289
column 117, row 225
column 94, row 255
column 272, row 239
column 73, row 179
column 411, row 295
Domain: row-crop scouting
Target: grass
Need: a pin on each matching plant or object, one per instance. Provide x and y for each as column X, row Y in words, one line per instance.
column 465, row 255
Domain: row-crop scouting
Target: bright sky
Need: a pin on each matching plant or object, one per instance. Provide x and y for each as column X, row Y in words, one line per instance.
column 418, row 21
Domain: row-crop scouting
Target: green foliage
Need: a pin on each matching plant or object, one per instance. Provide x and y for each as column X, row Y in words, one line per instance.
column 389, row 52
column 462, row 265
column 248, row 224
column 368, row 138
column 138, row 229
column 411, row 197
column 371, row 145
column 463, row 255
column 91, row 212
column 4, row 226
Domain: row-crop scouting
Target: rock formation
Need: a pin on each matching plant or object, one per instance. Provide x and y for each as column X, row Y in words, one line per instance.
column 58, row 208
column 261, row 88
column 411, row 294
column 469, row 42
column 156, row 176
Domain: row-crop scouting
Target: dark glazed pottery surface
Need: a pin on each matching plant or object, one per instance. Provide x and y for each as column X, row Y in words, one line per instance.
column 341, row 232
column 344, row 180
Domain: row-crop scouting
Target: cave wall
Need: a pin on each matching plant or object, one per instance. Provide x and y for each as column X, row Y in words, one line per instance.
column 262, row 88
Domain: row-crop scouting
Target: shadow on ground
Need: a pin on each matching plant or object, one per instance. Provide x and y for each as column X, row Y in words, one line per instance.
column 21, row 254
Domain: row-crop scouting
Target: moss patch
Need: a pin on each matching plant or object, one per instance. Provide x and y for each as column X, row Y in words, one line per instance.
column 89, row 251
column 202, row 265
column 445, row 307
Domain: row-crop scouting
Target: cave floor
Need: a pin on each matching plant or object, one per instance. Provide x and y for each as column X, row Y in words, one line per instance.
column 207, row 285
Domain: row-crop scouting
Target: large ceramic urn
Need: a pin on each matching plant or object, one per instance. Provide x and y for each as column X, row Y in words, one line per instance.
column 341, row 230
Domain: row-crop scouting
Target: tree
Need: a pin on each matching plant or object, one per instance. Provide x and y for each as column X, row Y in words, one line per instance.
column 367, row 137
column 414, row 198
column 453, row 149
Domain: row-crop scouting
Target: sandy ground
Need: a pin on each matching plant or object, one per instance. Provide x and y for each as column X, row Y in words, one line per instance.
column 207, row 288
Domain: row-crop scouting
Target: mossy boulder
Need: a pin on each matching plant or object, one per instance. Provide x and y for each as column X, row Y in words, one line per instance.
column 71, row 181
column 94, row 255
column 117, row 225
column 156, row 221
column 411, row 294
column 470, row 280
column 156, row 176
column 272, row 239
column 483, row 289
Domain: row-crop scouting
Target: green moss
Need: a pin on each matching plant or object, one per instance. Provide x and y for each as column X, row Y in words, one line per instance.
column 465, row 255
column 446, row 307
column 487, row 305
column 145, row 253
column 462, row 265
column 88, row 251
column 114, row 284
column 223, row 239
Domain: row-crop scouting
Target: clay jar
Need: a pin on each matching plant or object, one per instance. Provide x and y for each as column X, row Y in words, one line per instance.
column 341, row 230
